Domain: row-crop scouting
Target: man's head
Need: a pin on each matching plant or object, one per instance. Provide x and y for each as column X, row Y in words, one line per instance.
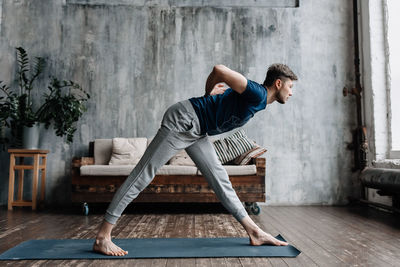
column 280, row 78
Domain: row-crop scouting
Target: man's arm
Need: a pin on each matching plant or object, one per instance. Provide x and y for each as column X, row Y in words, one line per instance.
column 233, row 79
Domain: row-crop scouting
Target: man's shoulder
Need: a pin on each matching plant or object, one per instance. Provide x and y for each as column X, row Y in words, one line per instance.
column 251, row 83
column 254, row 92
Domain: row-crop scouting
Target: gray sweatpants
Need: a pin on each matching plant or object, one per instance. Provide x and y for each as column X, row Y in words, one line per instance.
column 180, row 129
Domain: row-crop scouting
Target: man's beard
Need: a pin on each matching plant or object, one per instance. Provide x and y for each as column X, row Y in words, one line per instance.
column 279, row 98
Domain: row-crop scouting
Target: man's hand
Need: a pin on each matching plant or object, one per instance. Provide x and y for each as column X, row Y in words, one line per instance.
column 221, row 73
column 218, row 89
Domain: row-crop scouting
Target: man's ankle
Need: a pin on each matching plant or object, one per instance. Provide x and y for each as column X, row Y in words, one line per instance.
column 250, row 227
column 105, row 231
column 103, row 237
column 253, row 231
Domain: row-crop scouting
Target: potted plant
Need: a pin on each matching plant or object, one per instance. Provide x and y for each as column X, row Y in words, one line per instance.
column 6, row 106
column 63, row 105
column 18, row 106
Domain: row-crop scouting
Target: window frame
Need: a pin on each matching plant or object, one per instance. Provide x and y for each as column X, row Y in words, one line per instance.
column 393, row 154
column 375, row 83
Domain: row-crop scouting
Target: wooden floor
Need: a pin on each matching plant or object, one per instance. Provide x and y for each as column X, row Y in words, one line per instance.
column 327, row 236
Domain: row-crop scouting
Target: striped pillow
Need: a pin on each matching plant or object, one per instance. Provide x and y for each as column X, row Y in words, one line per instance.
column 232, row 146
column 246, row 157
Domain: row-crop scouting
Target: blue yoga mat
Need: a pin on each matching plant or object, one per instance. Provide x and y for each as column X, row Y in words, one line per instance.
column 148, row 248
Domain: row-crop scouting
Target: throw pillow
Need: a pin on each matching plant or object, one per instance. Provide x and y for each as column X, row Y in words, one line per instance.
column 127, row 151
column 246, row 157
column 181, row 158
column 232, row 146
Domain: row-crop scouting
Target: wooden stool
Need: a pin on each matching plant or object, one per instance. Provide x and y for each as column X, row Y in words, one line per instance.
column 21, row 153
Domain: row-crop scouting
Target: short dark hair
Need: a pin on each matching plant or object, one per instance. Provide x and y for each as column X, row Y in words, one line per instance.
column 278, row 71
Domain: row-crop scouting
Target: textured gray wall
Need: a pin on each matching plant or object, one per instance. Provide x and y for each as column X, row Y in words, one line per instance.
column 136, row 58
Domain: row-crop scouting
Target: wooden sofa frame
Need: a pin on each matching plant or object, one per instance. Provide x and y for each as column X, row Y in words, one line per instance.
column 166, row 188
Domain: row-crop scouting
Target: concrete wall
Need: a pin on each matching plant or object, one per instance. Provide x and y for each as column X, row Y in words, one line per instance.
column 136, row 58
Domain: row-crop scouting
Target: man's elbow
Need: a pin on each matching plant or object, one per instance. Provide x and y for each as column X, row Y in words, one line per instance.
column 219, row 69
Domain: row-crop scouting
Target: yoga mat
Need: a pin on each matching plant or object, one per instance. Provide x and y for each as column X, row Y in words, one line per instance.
column 147, row 248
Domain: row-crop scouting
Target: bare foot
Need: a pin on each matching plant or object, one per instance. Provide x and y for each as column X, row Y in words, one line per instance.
column 260, row 238
column 107, row 247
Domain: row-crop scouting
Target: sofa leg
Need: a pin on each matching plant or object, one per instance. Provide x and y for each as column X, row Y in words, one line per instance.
column 85, row 208
column 252, row 208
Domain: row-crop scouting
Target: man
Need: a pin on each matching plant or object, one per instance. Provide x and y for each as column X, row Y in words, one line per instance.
column 185, row 125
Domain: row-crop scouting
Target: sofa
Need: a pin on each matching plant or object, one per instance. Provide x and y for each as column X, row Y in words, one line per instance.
column 96, row 177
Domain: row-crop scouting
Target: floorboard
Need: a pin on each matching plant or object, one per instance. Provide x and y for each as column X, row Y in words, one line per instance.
column 326, row 235
column 299, row 237
column 360, row 243
column 331, row 238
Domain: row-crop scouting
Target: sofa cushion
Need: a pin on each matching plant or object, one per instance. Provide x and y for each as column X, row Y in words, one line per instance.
column 246, row 157
column 102, row 151
column 127, row 151
column 125, row 170
column 181, row 158
column 238, row 170
column 232, row 146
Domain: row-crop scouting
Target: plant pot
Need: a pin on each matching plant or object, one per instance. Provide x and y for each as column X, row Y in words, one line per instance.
column 30, row 136
column 2, row 130
column 3, row 139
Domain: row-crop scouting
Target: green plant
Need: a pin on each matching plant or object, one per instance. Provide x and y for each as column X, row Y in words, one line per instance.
column 8, row 110
column 17, row 107
column 7, row 105
column 63, row 106
column 25, row 116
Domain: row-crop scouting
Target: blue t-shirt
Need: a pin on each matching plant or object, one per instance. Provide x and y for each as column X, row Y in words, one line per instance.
column 224, row 112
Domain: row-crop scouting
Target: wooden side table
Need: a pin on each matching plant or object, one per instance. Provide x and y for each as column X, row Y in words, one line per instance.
column 22, row 153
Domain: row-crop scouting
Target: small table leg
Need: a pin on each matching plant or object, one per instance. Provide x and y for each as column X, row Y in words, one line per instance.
column 11, row 182
column 43, row 178
column 21, row 180
column 35, row 180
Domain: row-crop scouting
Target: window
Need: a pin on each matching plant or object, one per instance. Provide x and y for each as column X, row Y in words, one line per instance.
column 393, row 43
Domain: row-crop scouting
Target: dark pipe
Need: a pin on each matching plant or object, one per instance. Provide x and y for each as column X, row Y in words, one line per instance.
column 360, row 144
column 357, row 62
